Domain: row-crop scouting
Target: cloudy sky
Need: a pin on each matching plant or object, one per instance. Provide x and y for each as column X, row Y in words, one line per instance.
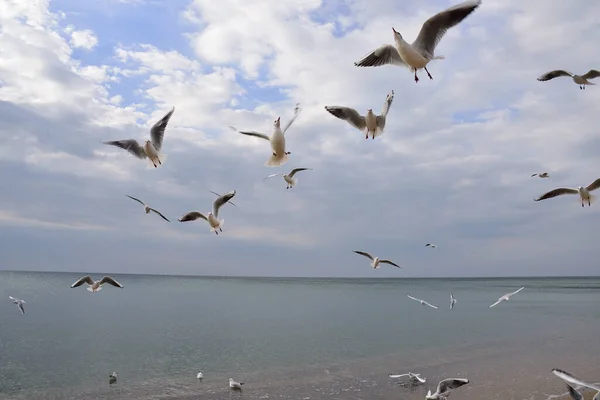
column 452, row 168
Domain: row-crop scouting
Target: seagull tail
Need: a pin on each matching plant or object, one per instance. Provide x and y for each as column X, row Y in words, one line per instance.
column 222, row 222
column 378, row 132
column 275, row 161
column 162, row 158
column 592, row 198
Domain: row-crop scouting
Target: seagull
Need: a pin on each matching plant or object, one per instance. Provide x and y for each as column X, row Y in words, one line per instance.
column 289, row 178
column 96, row 286
column 147, row 208
column 376, row 260
column 506, row 297
column 453, row 301
column 212, row 217
column 19, row 303
column 235, row 385
column 200, row 375
column 444, row 387
column 423, row 302
column 581, row 80
column 414, row 378
column 584, row 193
column 151, row 148
column 541, row 175
column 570, row 379
column 112, row 378
column 277, row 140
column 418, row 54
column 433, row 246
column 370, row 123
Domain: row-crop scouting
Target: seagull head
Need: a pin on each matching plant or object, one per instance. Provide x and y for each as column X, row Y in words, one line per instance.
column 580, row 188
column 277, row 121
column 397, row 34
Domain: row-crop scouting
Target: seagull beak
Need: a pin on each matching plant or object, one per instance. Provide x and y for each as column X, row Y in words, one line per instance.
column 394, row 30
column 278, row 118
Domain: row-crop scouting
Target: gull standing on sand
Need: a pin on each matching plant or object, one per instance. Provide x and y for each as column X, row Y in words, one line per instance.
column 277, row 140
column 583, row 192
column 433, row 246
column 212, row 217
column 112, row 378
column 375, row 260
column 453, row 301
column 506, row 297
column 235, row 385
column 444, row 388
column 581, row 80
column 96, row 286
column 414, row 378
column 147, row 209
column 289, row 178
column 370, row 123
column 541, row 175
column 19, row 303
column 200, row 375
column 418, row 54
column 152, row 147
column 571, row 380
column 423, row 302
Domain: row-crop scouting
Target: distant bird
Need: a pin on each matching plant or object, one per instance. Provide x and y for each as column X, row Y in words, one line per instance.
column 506, row 297
column 433, row 246
column 370, row 123
column 581, row 80
column 289, row 178
column 151, row 148
column 112, row 378
column 235, row 385
column 200, row 375
column 584, row 193
column 414, row 378
column 147, row 209
column 277, row 140
column 418, row 54
column 571, row 380
column 96, row 286
column 375, row 260
column 19, row 303
column 212, row 217
column 423, row 302
column 541, row 175
column 444, row 388
column 453, row 301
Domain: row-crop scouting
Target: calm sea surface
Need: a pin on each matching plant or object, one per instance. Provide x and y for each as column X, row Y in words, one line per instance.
column 293, row 338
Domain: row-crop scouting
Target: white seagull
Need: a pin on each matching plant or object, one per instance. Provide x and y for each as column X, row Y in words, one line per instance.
column 453, row 301
column 289, row 178
column 414, row 378
column 19, row 303
column 418, row 54
column 277, row 140
column 369, row 123
column 444, row 388
column 541, row 175
column 147, row 209
column 423, row 302
column 212, row 217
column 571, row 380
column 235, row 385
column 112, row 378
column 95, row 286
column 375, row 260
column 581, row 80
column 200, row 375
column 151, row 148
column 433, row 246
column 583, row 192
column 506, row 297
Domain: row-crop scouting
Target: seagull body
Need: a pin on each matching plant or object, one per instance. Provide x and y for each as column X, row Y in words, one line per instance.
column 453, row 301
column 369, row 123
column 96, row 286
column 541, row 175
column 19, row 303
column 506, row 297
column 112, row 378
column 581, row 80
column 375, row 261
column 200, row 375
column 418, row 54
column 583, row 192
column 433, row 246
column 235, row 385
column 423, row 302
column 444, row 388
column 277, row 140
column 147, row 209
column 212, row 217
column 289, row 178
column 571, row 380
column 151, row 148
column 414, row 378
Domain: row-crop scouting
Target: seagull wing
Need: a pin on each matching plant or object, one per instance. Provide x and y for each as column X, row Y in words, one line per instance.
column 574, row 393
column 13, row 299
column 85, row 279
column 418, row 377
column 157, row 132
column 192, row 216
column 272, row 175
column 533, row 175
column 138, row 200
column 20, row 305
column 414, row 298
column 386, row 108
column 349, row 115
column 431, row 305
column 452, row 383
column 594, row 185
column 591, row 74
column 554, row 74
column 131, row 145
column 220, row 201
column 556, row 192
column 110, row 281
column 158, row 212
column 386, row 54
column 215, row 193
column 496, row 303
column 565, row 376
column 291, row 174
column 389, row 262
column 397, row 376
column 252, row 133
column 297, row 110
column 515, row 292
column 362, row 253
column 435, row 27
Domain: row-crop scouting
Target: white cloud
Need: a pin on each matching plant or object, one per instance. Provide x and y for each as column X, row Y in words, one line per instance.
column 84, row 39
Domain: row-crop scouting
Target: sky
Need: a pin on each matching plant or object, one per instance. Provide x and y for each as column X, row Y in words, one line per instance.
column 452, row 168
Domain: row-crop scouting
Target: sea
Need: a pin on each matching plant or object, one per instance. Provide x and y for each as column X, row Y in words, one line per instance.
column 294, row 338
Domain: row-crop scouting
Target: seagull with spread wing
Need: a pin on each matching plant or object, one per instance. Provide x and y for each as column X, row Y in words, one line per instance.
column 96, row 286
column 235, row 385
column 581, row 80
column 19, row 303
column 369, row 123
column 506, row 297
column 541, row 175
column 147, row 209
column 453, row 301
column 151, row 148
column 289, row 178
column 375, row 261
column 444, row 388
column 583, row 192
column 212, row 217
column 413, row 378
column 423, row 302
column 571, row 380
column 433, row 246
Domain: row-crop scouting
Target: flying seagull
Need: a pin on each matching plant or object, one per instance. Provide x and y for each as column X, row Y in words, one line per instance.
column 414, row 378
column 147, row 209
column 423, row 302
column 584, row 193
column 19, row 303
column 506, row 297
column 571, row 380
column 200, row 375
column 581, row 80
column 235, row 385
column 444, row 388
column 418, row 54
column 369, row 123
column 433, row 246
column 277, row 140
column 375, row 260
column 453, row 301
column 112, row 378
column 541, row 175
column 95, row 286
column 151, row 148
column 289, row 178
column 212, row 217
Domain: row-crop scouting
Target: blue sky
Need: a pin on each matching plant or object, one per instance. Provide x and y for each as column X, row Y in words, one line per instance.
column 452, row 168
